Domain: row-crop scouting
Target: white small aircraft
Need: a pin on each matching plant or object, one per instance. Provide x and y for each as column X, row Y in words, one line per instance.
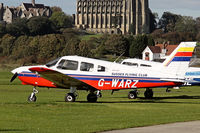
column 80, row 73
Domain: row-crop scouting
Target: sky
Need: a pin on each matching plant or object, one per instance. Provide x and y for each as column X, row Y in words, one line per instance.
column 182, row 7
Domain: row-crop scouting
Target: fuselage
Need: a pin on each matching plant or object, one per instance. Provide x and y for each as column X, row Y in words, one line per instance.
column 102, row 75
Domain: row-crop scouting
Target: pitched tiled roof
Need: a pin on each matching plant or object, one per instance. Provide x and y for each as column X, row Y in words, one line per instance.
column 29, row 5
column 155, row 49
column 158, row 48
column 170, row 48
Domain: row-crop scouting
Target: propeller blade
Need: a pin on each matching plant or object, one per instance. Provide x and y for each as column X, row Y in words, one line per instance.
column 14, row 77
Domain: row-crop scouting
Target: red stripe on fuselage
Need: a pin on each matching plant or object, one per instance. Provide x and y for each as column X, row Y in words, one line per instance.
column 183, row 54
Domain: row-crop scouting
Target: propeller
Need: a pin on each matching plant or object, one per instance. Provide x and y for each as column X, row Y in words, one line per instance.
column 14, row 77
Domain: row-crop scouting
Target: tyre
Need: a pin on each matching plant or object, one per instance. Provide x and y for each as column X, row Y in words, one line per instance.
column 132, row 95
column 92, row 98
column 70, row 97
column 148, row 94
column 32, row 99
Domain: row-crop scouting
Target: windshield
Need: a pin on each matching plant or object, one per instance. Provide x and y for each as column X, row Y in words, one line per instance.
column 52, row 63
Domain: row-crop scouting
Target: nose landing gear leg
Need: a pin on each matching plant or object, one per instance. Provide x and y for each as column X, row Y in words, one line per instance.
column 32, row 97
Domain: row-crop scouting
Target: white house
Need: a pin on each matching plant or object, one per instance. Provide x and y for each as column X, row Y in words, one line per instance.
column 158, row 52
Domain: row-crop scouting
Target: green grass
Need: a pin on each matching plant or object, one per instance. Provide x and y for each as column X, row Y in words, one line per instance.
column 87, row 37
column 50, row 114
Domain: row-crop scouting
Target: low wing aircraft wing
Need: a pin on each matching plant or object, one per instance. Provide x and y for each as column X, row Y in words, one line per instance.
column 174, row 80
column 59, row 79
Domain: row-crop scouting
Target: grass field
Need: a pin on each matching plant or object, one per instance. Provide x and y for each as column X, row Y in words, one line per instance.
column 51, row 115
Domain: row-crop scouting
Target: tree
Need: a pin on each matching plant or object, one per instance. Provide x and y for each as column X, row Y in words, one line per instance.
column 85, row 49
column 198, row 37
column 139, row 43
column 153, row 22
column 56, row 9
column 198, row 24
column 132, row 29
column 167, row 21
column 71, row 47
column 186, row 24
column 61, row 20
column 2, row 29
column 18, row 27
column 21, row 48
column 116, row 44
column 7, row 44
column 40, row 26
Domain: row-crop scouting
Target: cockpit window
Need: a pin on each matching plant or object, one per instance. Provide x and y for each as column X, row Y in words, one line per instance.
column 52, row 63
column 68, row 65
column 87, row 66
column 130, row 64
column 101, row 68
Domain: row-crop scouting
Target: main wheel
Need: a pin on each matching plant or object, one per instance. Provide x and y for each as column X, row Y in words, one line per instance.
column 92, row 97
column 132, row 95
column 70, row 97
column 33, row 98
column 148, row 94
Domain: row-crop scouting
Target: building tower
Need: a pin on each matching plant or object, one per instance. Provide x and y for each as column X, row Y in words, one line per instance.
column 113, row 16
column 145, row 16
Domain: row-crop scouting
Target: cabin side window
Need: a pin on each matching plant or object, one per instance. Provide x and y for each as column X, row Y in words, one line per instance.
column 144, row 65
column 88, row 67
column 101, row 68
column 52, row 63
column 130, row 64
column 68, row 65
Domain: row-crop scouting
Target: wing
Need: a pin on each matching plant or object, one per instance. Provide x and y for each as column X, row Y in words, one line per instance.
column 174, row 80
column 59, row 79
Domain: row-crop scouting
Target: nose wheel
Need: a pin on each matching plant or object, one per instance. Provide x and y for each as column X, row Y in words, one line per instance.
column 70, row 97
column 32, row 97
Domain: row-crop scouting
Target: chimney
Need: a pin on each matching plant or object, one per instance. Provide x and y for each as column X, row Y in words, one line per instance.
column 33, row 2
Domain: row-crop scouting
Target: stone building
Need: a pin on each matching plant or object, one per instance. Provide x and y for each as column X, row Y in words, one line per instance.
column 113, row 16
column 25, row 10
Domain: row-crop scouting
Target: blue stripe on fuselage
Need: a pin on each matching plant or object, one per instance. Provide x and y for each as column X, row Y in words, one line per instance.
column 181, row 59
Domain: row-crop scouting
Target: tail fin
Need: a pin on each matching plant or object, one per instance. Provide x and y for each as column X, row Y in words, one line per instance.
column 180, row 58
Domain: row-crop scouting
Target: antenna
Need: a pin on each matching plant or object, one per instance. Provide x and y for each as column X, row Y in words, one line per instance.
column 119, row 57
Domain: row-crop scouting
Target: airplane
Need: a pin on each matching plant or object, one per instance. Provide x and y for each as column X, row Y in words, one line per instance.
column 81, row 73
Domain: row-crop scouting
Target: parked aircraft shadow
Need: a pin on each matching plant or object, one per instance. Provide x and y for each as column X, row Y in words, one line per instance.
column 143, row 100
column 175, row 97
column 153, row 100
